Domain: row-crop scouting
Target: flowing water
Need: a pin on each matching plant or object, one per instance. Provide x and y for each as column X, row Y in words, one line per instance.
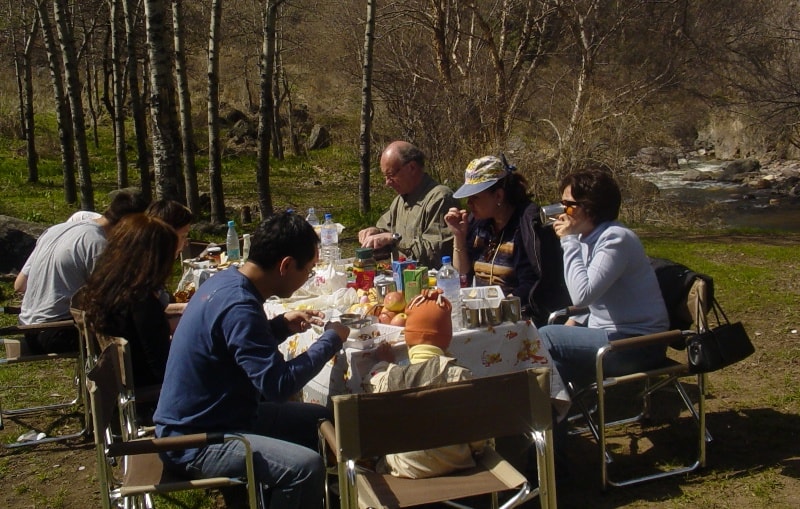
column 739, row 206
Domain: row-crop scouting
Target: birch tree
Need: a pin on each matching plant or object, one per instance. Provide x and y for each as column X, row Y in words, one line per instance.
column 137, row 108
column 265, row 110
column 214, row 150
column 185, row 111
column 74, row 96
column 166, row 146
column 63, row 118
column 22, row 69
column 118, row 86
column 365, row 133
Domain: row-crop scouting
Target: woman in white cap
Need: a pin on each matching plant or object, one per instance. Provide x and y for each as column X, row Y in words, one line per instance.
column 500, row 241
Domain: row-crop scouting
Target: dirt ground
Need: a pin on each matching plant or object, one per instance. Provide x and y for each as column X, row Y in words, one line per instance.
column 753, row 461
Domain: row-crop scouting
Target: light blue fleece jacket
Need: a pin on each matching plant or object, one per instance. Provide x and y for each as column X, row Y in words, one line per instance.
column 609, row 272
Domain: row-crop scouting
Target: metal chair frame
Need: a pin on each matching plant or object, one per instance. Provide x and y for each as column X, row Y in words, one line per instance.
column 79, row 399
column 669, row 374
column 141, row 471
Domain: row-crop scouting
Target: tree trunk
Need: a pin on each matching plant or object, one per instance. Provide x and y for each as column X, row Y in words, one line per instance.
column 119, row 94
column 277, row 100
column 74, row 94
column 214, row 155
column 265, row 114
column 185, row 111
column 166, row 151
column 137, row 108
column 22, row 66
column 63, row 119
column 366, row 109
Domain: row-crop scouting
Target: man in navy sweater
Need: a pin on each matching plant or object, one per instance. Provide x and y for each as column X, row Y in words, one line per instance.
column 226, row 374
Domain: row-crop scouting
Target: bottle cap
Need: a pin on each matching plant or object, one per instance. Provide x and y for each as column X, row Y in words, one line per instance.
column 328, row 216
column 446, row 260
column 231, row 224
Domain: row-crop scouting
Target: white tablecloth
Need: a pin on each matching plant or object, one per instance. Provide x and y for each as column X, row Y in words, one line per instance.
column 490, row 350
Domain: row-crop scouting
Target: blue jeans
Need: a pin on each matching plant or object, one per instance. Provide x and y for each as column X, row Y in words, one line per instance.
column 574, row 350
column 285, row 457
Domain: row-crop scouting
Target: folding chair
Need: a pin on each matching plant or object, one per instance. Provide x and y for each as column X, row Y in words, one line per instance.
column 141, row 472
column 687, row 305
column 17, row 354
column 373, row 425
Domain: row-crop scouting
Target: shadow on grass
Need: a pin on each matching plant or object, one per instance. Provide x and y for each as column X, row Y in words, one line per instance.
column 745, row 444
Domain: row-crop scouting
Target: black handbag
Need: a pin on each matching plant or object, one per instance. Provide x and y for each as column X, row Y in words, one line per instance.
column 720, row 346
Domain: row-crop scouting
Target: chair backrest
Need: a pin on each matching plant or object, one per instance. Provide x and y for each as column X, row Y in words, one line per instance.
column 376, row 424
column 687, row 294
column 104, row 383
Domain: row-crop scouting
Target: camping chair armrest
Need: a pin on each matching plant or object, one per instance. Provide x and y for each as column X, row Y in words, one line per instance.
column 561, row 315
column 37, row 327
column 660, row 338
column 174, row 443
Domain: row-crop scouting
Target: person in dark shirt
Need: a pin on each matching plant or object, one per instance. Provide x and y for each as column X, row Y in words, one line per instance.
column 121, row 296
column 226, row 374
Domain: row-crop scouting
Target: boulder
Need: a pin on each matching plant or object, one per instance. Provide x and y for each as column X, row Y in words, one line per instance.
column 17, row 239
column 658, row 157
column 319, row 138
column 736, row 167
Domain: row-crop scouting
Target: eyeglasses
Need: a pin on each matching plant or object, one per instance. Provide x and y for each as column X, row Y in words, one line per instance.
column 392, row 177
column 311, row 274
column 569, row 206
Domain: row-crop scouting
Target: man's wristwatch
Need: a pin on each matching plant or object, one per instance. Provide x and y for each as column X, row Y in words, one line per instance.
column 396, row 238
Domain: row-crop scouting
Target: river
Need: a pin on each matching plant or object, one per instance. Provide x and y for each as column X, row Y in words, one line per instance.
column 741, row 206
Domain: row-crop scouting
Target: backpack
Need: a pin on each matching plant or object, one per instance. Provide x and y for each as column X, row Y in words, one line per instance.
column 676, row 282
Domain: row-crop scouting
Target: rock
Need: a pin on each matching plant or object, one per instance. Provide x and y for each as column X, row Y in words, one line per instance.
column 658, row 157
column 242, row 131
column 319, row 138
column 731, row 169
column 17, row 239
column 694, row 175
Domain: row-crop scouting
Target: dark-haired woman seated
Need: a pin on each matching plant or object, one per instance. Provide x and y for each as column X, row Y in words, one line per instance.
column 606, row 269
column 121, row 296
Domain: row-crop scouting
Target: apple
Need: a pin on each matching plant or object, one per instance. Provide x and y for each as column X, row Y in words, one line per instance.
column 395, row 301
column 386, row 316
column 399, row 320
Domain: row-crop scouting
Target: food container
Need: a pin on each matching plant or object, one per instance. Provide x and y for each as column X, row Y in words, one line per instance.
column 481, row 305
column 372, row 335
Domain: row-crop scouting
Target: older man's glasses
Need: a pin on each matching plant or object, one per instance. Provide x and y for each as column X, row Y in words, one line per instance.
column 392, row 176
column 311, row 274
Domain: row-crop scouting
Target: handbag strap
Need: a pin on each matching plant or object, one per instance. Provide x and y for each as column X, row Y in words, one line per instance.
column 719, row 311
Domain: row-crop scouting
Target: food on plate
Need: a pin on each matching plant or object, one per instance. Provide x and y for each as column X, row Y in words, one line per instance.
column 394, row 301
column 184, row 294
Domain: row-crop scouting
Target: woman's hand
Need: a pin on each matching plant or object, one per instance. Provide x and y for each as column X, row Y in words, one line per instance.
column 301, row 321
column 457, row 221
column 566, row 225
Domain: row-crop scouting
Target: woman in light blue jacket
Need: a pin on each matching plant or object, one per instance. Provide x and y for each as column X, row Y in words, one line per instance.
column 608, row 272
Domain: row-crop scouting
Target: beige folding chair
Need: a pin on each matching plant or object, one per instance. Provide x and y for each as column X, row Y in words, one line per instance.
column 692, row 307
column 141, row 472
column 373, row 425
column 13, row 337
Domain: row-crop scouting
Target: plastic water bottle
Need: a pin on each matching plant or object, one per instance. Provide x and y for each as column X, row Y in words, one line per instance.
column 232, row 243
column 329, row 240
column 449, row 281
column 312, row 218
